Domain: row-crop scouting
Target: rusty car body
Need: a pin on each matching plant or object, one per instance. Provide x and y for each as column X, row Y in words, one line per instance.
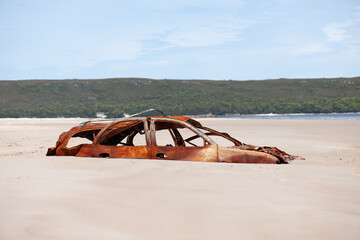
column 161, row 137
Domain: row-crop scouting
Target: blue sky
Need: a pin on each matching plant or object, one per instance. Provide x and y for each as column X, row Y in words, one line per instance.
column 225, row 39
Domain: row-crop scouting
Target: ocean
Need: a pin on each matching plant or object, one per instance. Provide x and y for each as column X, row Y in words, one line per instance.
column 320, row 116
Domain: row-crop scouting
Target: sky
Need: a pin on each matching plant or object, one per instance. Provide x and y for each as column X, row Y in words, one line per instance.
column 187, row 39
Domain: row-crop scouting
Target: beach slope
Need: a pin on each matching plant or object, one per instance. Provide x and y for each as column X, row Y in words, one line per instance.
column 89, row 198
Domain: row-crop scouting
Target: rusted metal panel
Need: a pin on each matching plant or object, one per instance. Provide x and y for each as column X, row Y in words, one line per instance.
column 233, row 155
column 121, row 151
column 198, row 154
column 116, row 140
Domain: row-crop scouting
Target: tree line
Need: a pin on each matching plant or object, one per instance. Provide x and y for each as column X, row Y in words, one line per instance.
column 190, row 106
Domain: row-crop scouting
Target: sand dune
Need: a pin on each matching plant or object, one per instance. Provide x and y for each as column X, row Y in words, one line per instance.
column 88, row 198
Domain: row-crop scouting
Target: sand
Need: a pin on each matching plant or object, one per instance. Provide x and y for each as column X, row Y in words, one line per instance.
column 89, row 198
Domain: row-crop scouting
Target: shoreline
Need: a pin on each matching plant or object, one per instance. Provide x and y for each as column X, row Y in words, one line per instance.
column 280, row 115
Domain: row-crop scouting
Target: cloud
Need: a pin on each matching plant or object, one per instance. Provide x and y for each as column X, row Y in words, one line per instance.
column 115, row 49
column 204, row 35
column 312, row 49
column 357, row 10
column 180, row 5
column 84, row 51
column 336, row 32
column 341, row 31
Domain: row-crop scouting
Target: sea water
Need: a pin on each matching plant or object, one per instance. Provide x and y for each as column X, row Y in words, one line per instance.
column 320, row 116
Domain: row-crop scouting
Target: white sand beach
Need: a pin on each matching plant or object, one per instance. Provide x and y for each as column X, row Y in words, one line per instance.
column 90, row 198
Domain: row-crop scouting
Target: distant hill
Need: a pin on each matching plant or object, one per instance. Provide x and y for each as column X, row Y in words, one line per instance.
column 115, row 96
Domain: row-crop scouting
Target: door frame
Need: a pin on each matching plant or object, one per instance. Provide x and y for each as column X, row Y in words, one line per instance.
column 209, row 142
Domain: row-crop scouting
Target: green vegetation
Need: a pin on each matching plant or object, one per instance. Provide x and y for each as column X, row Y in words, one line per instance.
column 84, row 98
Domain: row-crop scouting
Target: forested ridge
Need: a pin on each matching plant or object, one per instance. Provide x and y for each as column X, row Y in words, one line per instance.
column 116, row 96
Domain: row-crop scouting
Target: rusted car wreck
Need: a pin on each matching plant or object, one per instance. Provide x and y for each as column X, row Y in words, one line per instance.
column 161, row 137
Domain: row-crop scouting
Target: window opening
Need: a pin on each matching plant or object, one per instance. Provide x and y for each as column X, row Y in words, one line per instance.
column 125, row 136
column 85, row 137
column 171, row 134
